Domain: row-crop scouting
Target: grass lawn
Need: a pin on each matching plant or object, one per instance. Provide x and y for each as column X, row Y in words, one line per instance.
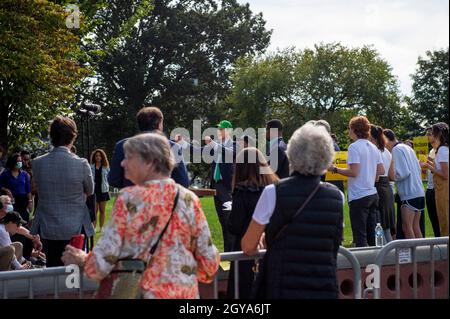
column 216, row 231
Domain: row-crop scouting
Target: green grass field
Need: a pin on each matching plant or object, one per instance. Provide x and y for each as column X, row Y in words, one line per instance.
column 216, row 232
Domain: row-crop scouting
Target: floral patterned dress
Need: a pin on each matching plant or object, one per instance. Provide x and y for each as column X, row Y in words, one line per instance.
column 185, row 254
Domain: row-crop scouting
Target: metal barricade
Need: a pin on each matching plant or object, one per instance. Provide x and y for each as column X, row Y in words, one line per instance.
column 236, row 257
column 412, row 245
column 31, row 274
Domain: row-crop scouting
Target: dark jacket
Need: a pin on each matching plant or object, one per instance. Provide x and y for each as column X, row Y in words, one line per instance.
column 245, row 199
column 116, row 176
column 226, row 169
column 302, row 261
column 282, row 169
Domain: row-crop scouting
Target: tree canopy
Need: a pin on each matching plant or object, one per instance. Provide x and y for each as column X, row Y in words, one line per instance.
column 178, row 57
column 39, row 68
column 429, row 100
column 330, row 81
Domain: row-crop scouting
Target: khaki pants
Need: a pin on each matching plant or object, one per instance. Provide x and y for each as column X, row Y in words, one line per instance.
column 6, row 257
column 441, row 195
column 18, row 250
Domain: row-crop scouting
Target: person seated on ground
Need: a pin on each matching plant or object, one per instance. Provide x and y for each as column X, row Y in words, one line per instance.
column 302, row 245
column 9, row 225
column 34, row 241
column 185, row 254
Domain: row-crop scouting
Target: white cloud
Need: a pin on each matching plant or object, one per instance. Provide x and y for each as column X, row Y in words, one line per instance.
column 400, row 30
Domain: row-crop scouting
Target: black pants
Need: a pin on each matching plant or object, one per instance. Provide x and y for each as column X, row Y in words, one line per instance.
column 53, row 250
column 432, row 213
column 400, row 234
column 222, row 196
column 363, row 217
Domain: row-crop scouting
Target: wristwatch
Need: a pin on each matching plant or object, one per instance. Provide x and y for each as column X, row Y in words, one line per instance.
column 335, row 169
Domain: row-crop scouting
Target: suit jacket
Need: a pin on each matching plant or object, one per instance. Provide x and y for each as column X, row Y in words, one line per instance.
column 63, row 180
column 116, row 177
column 223, row 189
column 282, row 162
column 228, row 150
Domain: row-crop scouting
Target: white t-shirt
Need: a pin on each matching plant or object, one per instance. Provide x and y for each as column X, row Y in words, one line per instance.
column 441, row 157
column 386, row 156
column 367, row 155
column 266, row 205
column 5, row 241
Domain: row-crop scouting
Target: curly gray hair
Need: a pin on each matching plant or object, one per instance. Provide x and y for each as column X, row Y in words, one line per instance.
column 152, row 147
column 310, row 150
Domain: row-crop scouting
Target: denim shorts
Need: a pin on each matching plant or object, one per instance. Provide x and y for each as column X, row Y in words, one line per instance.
column 416, row 204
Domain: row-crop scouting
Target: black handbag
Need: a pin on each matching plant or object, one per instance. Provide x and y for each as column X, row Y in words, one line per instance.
column 260, row 288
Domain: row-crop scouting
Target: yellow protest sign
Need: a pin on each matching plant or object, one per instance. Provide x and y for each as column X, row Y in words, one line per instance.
column 420, row 144
column 340, row 160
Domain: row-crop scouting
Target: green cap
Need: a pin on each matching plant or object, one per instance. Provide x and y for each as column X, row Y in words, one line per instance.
column 224, row 124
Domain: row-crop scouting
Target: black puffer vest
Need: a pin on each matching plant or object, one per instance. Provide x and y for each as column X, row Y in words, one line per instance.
column 302, row 261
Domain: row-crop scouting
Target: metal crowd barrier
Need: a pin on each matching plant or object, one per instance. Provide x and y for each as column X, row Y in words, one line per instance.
column 27, row 280
column 236, row 257
column 42, row 274
column 411, row 244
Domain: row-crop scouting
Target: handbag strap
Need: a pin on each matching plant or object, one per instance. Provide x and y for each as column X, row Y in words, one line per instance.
column 175, row 202
column 299, row 211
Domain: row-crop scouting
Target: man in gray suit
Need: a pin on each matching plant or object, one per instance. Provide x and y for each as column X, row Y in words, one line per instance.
column 63, row 181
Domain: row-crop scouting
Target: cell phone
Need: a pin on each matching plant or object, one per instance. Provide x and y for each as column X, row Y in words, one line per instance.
column 77, row 241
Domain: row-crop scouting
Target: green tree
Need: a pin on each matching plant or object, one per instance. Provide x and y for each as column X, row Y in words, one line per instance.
column 331, row 82
column 178, row 57
column 429, row 101
column 38, row 68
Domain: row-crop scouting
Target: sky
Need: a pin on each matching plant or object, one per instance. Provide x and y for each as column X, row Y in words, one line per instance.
column 400, row 30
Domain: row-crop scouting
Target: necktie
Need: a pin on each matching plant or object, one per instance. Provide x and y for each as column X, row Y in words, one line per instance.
column 217, row 175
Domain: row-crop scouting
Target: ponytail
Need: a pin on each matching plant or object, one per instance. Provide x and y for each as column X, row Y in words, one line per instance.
column 377, row 133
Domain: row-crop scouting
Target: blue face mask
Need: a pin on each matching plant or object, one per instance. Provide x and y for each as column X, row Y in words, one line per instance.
column 19, row 165
column 9, row 208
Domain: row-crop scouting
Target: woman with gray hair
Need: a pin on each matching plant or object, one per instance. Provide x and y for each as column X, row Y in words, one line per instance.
column 155, row 210
column 302, row 218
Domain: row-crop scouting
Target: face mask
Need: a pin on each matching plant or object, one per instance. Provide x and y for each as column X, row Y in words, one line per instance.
column 9, row 208
column 19, row 165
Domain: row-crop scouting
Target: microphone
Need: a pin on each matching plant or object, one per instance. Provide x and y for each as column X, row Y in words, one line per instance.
column 91, row 107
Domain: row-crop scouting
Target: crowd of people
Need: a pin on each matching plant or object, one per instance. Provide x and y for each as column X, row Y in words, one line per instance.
column 279, row 201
